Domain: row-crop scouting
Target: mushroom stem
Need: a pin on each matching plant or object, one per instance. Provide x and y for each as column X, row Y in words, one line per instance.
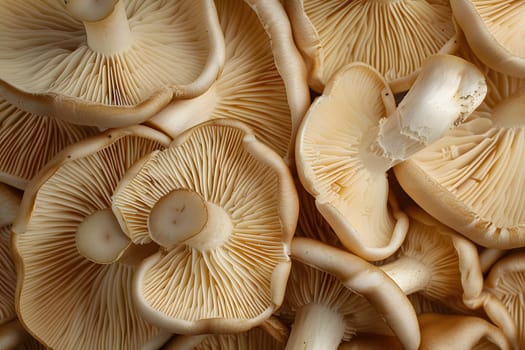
column 110, row 35
column 410, row 274
column 316, row 327
column 446, row 91
column 12, row 335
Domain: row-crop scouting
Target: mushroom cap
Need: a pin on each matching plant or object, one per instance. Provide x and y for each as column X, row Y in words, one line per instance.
column 49, row 66
column 263, row 82
column 331, row 34
column 28, row 142
column 230, row 276
column 506, row 281
column 468, row 179
column 90, row 303
column 364, row 279
column 351, row 194
column 495, row 32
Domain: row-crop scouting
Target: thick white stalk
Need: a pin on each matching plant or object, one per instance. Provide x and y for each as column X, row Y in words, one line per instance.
column 316, row 327
column 410, row 274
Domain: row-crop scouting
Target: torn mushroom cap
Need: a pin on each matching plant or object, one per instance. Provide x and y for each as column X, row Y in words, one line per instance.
column 69, row 200
column 506, row 281
column 442, row 332
column 364, row 279
column 346, row 143
column 28, row 142
column 468, row 179
column 230, row 209
column 495, row 32
column 324, row 311
column 263, row 82
column 437, row 262
column 110, row 63
column 394, row 37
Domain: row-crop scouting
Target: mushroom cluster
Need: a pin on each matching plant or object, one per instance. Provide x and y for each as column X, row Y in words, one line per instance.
column 262, row 174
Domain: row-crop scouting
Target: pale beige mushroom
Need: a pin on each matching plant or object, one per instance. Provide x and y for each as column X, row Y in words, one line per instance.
column 337, row 294
column 495, row 32
column 223, row 208
column 28, row 142
column 393, row 36
column 107, row 63
column 353, row 134
column 470, row 179
column 506, row 281
column 263, row 82
column 64, row 275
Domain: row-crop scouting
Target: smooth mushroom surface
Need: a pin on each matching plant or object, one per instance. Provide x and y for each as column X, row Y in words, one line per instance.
column 495, row 32
column 263, row 82
column 87, row 291
column 107, row 63
column 10, row 202
column 353, row 134
column 28, row 142
column 223, row 208
column 471, row 179
column 393, row 36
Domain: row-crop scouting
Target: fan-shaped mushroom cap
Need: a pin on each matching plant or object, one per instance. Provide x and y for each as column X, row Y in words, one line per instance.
column 495, row 32
column 394, row 37
column 364, row 279
column 468, row 179
column 90, row 302
column 458, row 332
column 353, row 134
column 120, row 70
column 28, row 142
column 506, row 281
column 263, row 82
column 230, row 209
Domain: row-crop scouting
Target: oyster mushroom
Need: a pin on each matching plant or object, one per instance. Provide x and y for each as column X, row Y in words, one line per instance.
column 28, row 142
column 353, row 134
column 494, row 31
column 394, row 37
column 472, row 175
column 88, row 295
column 223, row 208
column 338, row 294
column 106, row 63
column 263, row 82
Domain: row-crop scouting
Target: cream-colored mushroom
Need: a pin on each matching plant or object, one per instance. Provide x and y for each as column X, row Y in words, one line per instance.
column 223, row 208
column 62, row 223
column 394, row 37
column 263, row 82
column 353, row 134
column 107, row 63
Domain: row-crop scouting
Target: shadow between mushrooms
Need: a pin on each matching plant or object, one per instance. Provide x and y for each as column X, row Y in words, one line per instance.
column 72, row 259
column 107, row 63
column 223, row 208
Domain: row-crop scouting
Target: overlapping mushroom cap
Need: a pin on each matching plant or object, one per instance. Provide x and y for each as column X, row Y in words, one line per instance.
column 263, row 82
column 394, row 37
column 223, row 208
column 28, row 142
column 353, row 134
column 73, row 262
column 495, row 31
column 110, row 63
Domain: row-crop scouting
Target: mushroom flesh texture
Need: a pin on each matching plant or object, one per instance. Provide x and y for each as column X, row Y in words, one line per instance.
column 262, row 84
column 64, row 220
column 28, row 142
column 107, row 63
column 338, row 293
column 393, row 36
column 353, row 134
column 495, row 32
column 223, row 208
column 469, row 179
